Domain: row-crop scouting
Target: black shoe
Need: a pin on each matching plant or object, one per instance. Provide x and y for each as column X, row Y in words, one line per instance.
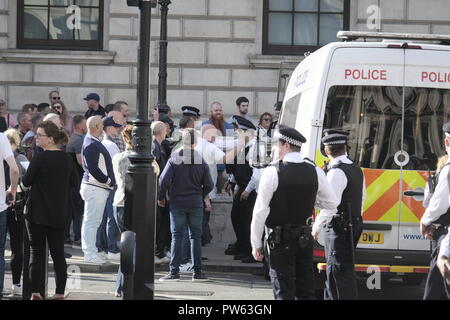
column 231, row 251
column 199, row 277
column 170, row 277
column 239, row 256
column 249, row 259
column 205, row 259
column 67, row 255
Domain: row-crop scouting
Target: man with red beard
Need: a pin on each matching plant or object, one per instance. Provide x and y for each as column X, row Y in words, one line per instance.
column 217, row 120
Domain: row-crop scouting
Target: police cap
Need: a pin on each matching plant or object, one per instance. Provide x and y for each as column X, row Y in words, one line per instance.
column 327, row 132
column 290, row 135
column 189, row 111
column 243, row 123
column 335, row 139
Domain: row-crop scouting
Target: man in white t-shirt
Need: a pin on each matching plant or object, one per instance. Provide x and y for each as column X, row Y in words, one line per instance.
column 108, row 230
column 7, row 198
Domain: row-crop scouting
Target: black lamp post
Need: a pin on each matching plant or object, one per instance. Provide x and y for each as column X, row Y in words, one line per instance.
column 140, row 190
column 162, row 79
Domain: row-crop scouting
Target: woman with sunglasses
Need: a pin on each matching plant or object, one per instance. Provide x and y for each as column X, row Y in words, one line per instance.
column 265, row 122
column 66, row 120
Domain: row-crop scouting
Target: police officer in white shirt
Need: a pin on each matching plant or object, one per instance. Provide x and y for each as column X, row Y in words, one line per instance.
column 347, row 180
column 434, row 225
column 284, row 204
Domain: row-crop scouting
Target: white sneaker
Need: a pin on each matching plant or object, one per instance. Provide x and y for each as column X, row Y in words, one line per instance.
column 158, row 260
column 165, row 260
column 114, row 256
column 103, row 255
column 94, row 260
column 16, row 290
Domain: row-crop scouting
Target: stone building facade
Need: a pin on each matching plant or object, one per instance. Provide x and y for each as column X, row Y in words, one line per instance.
column 215, row 53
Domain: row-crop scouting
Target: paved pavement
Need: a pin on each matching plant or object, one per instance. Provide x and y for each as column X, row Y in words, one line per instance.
column 217, row 262
column 230, row 280
column 222, row 286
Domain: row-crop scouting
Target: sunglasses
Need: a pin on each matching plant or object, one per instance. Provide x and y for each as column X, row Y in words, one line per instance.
column 56, row 98
column 267, row 119
column 57, row 107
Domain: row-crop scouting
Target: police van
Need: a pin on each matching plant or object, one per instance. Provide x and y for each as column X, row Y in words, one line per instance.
column 392, row 93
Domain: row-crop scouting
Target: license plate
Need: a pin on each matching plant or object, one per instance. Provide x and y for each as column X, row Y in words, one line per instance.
column 372, row 238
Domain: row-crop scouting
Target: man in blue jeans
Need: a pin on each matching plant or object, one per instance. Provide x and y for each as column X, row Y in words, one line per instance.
column 188, row 180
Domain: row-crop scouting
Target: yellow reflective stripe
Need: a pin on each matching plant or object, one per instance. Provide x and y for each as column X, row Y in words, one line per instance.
column 413, row 179
column 378, row 187
column 391, row 215
column 408, row 215
column 393, row 269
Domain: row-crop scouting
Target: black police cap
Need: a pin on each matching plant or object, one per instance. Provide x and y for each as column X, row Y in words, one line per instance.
column 335, row 139
column 290, row 135
column 243, row 123
column 189, row 111
column 327, row 132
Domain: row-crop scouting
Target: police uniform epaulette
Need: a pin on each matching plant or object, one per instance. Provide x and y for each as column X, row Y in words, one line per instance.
column 335, row 166
column 307, row 160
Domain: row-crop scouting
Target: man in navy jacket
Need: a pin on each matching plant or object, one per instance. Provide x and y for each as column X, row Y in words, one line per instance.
column 98, row 181
column 187, row 178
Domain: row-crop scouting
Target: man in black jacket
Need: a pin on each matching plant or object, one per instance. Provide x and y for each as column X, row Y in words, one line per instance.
column 95, row 109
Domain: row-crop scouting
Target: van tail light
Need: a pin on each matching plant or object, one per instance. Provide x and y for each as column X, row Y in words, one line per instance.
column 319, row 253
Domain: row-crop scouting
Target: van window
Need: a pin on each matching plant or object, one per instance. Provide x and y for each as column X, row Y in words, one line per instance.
column 290, row 110
column 373, row 116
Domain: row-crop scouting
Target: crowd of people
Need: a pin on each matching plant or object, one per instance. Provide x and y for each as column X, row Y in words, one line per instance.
column 66, row 183
column 62, row 182
column 49, row 162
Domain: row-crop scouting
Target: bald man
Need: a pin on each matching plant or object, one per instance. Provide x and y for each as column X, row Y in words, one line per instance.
column 98, row 181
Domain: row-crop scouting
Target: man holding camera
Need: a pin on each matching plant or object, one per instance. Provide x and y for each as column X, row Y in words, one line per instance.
column 284, row 205
column 343, row 225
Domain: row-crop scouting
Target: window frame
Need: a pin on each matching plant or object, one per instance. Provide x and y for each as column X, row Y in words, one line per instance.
column 297, row 49
column 58, row 44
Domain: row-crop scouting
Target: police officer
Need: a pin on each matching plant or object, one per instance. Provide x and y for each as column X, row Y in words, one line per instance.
column 434, row 225
column 347, row 180
column 284, row 204
column 244, row 196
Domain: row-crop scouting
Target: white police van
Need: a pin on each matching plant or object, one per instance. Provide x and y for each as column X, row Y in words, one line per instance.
column 392, row 96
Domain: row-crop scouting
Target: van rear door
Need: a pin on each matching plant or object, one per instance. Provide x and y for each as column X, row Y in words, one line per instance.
column 427, row 97
column 364, row 95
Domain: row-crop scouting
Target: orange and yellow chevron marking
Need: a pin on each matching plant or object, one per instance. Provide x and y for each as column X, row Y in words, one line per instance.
column 382, row 195
column 412, row 210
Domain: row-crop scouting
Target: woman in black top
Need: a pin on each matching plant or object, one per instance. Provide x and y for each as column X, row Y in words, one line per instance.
column 51, row 174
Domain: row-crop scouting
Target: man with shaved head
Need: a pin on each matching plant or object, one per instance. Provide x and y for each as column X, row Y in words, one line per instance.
column 98, row 181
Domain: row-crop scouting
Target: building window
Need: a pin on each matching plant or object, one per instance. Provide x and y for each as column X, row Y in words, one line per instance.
column 60, row 24
column 293, row 27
